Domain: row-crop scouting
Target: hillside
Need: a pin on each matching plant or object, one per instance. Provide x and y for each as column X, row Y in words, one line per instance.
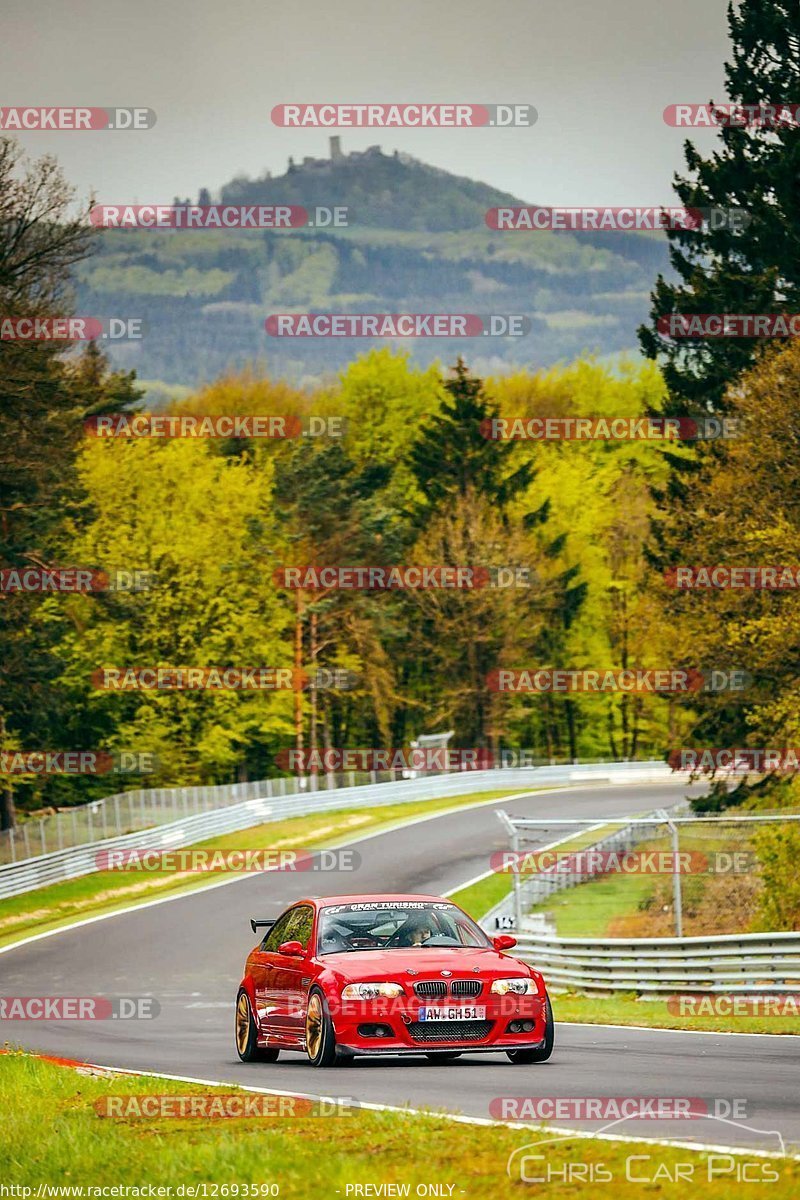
column 416, row 242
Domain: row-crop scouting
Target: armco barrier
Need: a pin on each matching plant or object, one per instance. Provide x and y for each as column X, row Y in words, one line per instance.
column 754, row 963
column 261, row 807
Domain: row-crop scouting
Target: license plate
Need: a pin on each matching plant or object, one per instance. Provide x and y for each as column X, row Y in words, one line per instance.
column 453, row 1012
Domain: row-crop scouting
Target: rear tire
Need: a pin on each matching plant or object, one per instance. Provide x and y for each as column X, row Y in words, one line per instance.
column 247, row 1046
column 543, row 1052
column 320, row 1037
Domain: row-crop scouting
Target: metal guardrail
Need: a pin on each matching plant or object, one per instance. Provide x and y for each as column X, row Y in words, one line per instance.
column 126, row 812
column 262, row 805
column 754, row 963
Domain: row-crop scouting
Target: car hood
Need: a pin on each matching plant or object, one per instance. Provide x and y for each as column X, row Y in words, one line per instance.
column 367, row 965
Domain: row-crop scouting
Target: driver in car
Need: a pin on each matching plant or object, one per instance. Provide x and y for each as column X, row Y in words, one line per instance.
column 416, row 931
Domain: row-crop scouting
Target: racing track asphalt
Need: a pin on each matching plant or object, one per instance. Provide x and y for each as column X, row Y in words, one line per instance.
column 189, row 953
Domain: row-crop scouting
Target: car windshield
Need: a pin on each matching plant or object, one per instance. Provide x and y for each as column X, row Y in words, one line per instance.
column 396, row 925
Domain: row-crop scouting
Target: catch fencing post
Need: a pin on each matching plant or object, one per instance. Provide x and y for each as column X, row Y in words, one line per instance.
column 511, row 829
column 677, row 899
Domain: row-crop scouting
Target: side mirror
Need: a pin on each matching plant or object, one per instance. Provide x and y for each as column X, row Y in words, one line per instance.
column 295, row 949
column 504, row 941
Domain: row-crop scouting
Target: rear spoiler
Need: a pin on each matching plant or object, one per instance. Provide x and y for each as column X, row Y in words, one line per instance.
column 256, row 925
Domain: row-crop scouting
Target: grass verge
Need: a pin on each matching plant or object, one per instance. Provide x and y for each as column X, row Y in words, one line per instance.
column 626, row 904
column 629, row 1009
column 53, row 1137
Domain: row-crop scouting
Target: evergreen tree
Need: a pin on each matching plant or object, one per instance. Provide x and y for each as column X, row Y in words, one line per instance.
column 750, row 265
column 453, row 456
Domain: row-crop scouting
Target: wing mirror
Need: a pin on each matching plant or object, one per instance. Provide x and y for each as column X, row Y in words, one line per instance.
column 295, row 949
column 504, row 941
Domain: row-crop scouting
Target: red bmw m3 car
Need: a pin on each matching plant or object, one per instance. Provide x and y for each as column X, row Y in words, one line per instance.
column 349, row 975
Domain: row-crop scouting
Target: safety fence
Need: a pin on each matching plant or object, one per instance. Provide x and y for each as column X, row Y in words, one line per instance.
column 208, row 812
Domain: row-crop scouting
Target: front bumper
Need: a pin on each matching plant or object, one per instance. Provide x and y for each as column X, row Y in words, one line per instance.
column 387, row 1026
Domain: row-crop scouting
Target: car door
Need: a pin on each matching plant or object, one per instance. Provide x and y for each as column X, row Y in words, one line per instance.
column 284, row 991
column 296, row 973
column 262, row 972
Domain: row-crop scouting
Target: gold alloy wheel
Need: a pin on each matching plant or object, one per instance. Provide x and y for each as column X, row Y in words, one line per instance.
column 242, row 1023
column 314, row 1019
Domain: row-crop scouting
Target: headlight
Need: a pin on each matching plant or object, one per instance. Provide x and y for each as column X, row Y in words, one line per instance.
column 520, row 987
column 371, row 991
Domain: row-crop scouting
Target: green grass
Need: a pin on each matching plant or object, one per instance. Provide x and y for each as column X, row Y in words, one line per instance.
column 629, row 1009
column 52, row 1135
column 589, row 909
column 106, row 891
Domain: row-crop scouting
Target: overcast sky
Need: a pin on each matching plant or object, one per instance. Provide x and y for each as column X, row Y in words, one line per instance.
column 599, row 72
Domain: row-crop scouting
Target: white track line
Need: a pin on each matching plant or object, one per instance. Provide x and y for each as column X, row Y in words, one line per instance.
column 457, row 1118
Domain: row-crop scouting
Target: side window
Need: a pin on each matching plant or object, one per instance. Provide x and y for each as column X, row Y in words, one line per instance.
column 276, row 934
column 299, row 927
column 301, row 931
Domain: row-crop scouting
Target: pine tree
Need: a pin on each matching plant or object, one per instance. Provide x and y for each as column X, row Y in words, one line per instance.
column 750, row 265
column 453, row 456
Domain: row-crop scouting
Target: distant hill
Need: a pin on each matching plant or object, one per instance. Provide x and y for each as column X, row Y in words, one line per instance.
column 416, row 242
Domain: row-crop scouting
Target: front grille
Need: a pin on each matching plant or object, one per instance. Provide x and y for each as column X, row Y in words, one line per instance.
column 431, row 987
column 449, row 1031
column 466, row 987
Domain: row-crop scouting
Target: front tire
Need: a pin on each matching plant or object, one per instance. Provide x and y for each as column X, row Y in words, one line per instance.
column 320, row 1037
column 543, row 1052
column 247, row 1046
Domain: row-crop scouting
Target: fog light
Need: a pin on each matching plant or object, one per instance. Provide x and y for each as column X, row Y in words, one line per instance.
column 520, row 1027
column 375, row 1031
